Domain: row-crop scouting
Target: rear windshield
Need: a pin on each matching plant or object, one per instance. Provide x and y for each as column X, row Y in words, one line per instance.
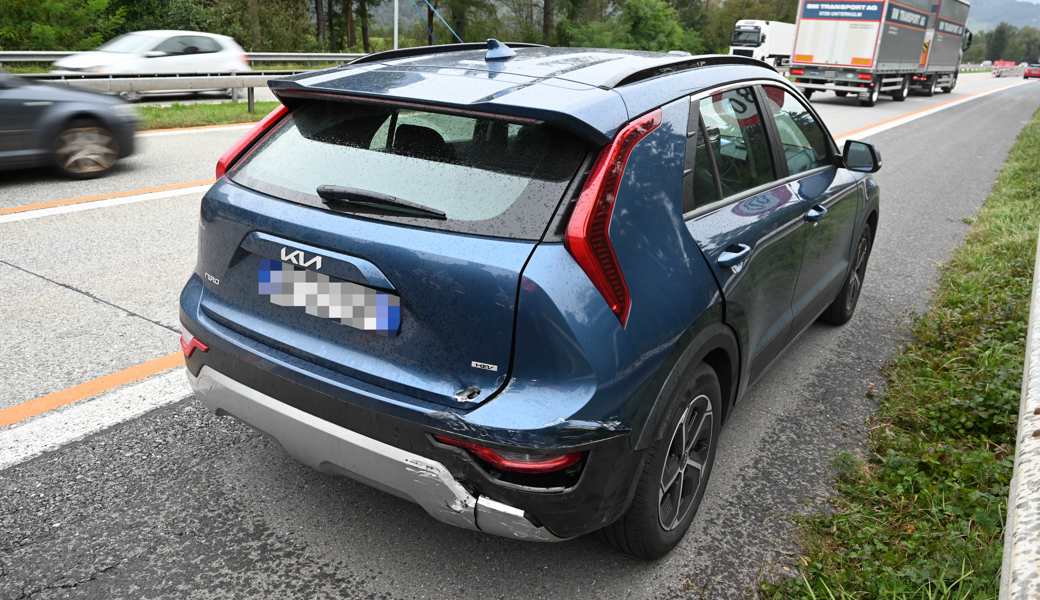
column 489, row 177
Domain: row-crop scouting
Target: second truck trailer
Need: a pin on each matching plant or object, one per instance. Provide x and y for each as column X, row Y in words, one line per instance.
column 872, row 47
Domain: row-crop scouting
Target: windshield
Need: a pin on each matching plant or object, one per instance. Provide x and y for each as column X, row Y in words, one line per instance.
column 129, row 43
column 487, row 176
column 745, row 37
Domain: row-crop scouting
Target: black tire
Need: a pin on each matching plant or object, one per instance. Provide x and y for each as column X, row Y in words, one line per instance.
column 85, row 149
column 931, row 87
column 901, row 94
column 946, row 89
column 641, row 531
column 844, row 306
column 841, row 93
column 808, row 93
column 871, row 97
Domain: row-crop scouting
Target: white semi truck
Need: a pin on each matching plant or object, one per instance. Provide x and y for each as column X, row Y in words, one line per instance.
column 769, row 41
column 870, row 47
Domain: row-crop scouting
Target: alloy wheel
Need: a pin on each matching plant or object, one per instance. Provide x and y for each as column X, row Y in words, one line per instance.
column 857, row 274
column 86, row 150
column 683, row 472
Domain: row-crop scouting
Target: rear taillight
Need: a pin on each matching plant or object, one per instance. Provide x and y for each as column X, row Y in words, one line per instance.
column 190, row 343
column 516, row 462
column 797, row 71
column 865, row 76
column 235, row 152
column 588, row 231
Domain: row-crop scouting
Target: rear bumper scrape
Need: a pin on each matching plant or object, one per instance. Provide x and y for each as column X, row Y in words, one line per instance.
column 330, row 448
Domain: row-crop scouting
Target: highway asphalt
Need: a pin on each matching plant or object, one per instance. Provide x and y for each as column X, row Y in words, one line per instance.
column 179, row 503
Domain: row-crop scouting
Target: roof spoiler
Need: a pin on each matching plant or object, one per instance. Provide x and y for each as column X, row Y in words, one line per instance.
column 289, row 91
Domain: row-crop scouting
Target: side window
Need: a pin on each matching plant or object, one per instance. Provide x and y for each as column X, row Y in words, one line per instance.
column 734, row 134
column 700, row 183
column 206, row 45
column 180, row 44
column 805, row 142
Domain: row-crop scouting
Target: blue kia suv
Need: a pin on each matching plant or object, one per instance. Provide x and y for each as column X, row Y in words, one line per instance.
column 522, row 286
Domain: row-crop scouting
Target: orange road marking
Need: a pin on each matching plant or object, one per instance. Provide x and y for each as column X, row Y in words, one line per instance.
column 98, row 197
column 105, row 383
column 89, row 389
column 909, row 114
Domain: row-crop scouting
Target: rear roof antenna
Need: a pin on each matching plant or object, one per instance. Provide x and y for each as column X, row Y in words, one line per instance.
column 496, row 50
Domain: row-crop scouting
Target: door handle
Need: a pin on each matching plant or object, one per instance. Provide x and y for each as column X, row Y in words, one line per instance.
column 733, row 255
column 816, row 213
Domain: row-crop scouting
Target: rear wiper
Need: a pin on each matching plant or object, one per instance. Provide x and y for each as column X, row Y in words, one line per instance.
column 347, row 198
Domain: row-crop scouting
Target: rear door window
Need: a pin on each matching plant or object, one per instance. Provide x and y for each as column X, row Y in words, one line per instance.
column 735, row 135
column 205, row 45
column 489, row 176
column 701, row 183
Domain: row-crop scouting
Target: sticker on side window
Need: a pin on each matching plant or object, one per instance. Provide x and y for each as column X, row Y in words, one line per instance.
column 351, row 304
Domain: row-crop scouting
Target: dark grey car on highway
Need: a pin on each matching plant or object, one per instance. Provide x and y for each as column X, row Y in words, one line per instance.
column 81, row 134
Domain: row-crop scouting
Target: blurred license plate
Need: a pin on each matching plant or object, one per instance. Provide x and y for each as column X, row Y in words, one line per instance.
column 317, row 294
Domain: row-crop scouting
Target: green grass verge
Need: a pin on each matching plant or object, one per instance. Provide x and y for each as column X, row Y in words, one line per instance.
column 922, row 516
column 20, row 67
column 192, row 115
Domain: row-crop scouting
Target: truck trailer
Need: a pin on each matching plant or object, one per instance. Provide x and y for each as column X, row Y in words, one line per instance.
column 768, row 41
column 870, row 47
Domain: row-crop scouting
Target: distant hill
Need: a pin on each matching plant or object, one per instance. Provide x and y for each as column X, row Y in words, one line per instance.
column 987, row 14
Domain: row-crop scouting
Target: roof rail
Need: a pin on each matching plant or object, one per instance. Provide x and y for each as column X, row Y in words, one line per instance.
column 436, row 49
column 684, row 64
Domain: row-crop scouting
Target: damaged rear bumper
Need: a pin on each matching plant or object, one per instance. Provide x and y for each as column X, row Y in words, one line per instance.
column 331, row 448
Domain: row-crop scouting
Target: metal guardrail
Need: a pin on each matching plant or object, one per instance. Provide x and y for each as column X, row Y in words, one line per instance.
column 115, row 84
column 161, row 82
column 1020, row 572
column 288, row 57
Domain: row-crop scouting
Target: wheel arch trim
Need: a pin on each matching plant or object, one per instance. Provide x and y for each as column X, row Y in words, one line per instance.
column 714, row 338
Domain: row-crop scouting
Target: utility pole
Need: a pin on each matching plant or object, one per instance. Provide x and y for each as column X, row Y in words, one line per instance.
column 397, row 16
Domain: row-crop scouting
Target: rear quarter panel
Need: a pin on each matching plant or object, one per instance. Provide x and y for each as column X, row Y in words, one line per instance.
column 573, row 359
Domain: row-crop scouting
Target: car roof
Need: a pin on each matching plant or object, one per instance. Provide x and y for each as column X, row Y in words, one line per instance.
column 173, row 32
column 592, row 92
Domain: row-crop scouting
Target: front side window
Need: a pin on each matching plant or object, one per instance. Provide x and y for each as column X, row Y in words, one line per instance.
column 734, row 134
column 804, row 141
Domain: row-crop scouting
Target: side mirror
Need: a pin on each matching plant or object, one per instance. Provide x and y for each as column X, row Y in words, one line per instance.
column 154, row 54
column 968, row 38
column 861, row 157
column 763, row 38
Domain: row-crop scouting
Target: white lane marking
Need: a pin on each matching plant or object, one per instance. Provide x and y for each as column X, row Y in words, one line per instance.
column 61, row 210
column 899, row 121
column 194, row 130
column 52, row 430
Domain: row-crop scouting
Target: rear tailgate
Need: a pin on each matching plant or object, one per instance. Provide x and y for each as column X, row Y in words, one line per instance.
column 838, row 33
column 424, row 306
